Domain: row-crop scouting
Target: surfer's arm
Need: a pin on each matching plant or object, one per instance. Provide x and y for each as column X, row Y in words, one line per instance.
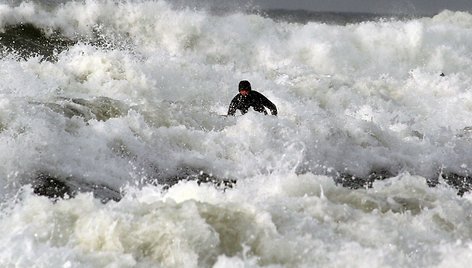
column 233, row 106
column 271, row 107
column 267, row 103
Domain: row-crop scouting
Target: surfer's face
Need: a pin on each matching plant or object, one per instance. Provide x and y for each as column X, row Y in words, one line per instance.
column 244, row 92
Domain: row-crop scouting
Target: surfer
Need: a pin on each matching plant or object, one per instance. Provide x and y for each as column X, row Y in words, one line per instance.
column 247, row 98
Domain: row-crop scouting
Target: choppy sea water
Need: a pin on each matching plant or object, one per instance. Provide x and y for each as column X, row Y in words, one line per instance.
column 115, row 153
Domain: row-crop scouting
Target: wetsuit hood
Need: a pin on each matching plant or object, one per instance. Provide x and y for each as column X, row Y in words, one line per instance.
column 244, row 85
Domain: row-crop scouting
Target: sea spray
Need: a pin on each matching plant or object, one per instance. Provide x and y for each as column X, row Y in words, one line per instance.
column 116, row 108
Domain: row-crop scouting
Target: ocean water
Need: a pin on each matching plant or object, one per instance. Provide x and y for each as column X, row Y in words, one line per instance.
column 115, row 153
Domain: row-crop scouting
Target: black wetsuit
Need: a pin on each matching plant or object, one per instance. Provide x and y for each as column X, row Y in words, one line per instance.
column 255, row 100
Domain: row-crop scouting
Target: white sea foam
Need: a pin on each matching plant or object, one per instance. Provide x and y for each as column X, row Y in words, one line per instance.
column 146, row 106
column 285, row 220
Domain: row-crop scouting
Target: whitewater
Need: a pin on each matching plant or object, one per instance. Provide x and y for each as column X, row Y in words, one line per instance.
column 115, row 151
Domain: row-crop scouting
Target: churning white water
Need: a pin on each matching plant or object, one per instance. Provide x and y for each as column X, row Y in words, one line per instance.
column 134, row 105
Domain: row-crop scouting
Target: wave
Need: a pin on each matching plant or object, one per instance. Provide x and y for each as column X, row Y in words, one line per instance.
column 114, row 110
column 357, row 100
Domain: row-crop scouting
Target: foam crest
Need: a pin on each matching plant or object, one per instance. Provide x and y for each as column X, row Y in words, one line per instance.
column 293, row 221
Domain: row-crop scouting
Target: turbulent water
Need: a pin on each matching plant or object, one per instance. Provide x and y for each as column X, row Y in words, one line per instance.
column 115, row 153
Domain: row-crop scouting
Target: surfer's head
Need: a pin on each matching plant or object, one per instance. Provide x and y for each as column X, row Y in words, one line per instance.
column 244, row 87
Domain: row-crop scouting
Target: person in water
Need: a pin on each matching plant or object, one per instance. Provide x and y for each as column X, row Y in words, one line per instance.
column 249, row 98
